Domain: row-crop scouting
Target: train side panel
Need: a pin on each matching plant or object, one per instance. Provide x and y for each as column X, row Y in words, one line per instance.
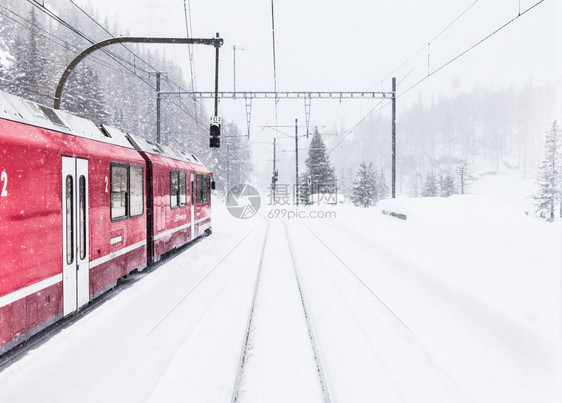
column 30, row 217
column 32, row 205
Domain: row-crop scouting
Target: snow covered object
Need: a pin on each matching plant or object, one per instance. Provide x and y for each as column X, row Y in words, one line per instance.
column 365, row 189
column 548, row 179
column 320, row 176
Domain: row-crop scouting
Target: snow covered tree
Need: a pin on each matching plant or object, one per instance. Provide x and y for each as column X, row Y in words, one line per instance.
column 318, row 169
column 32, row 65
column 430, row 186
column 548, row 180
column 383, row 189
column 447, row 185
column 84, row 96
column 465, row 175
column 365, row 186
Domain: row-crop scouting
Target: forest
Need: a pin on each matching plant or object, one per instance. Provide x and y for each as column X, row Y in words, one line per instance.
column 490, row 130
column 116, row 86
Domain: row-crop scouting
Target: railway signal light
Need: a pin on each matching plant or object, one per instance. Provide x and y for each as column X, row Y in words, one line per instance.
column 275, row 175
column 215, row 132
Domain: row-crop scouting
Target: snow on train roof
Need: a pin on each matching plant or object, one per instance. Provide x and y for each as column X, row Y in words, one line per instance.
column 163, row 150
column 20, row 110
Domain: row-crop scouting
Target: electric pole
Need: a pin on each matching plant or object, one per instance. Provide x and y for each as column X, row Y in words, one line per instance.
column 393, row 137
column 297, row 160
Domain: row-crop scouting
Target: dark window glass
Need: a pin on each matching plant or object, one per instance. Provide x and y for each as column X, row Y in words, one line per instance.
column 118, row 191
column 136, row 191
column 82, row 216
column 174, row 189
column 69, row 219
column 192, row 191
column 202, row 188
column 182, row 190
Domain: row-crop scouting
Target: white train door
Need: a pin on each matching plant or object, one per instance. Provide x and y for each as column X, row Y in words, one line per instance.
column 192, row 208
column 75, row 230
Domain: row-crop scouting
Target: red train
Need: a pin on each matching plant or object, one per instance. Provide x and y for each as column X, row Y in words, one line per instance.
column 82, row 206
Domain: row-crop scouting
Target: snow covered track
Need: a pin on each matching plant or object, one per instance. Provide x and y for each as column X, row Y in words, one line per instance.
column 280, row 359
column 244, row 352
column 311, row 335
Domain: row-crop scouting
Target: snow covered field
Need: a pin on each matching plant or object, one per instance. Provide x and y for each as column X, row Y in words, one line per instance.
column 459, row 302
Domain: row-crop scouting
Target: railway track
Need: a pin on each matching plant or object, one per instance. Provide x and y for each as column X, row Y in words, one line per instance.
column 386, row 348
column 245, row 350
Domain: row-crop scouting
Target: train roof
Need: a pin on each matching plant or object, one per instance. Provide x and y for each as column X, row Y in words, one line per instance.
column 151, row 147
column 28, row 112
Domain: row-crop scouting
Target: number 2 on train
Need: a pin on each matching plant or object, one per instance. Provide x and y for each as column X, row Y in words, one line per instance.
column 4, row 180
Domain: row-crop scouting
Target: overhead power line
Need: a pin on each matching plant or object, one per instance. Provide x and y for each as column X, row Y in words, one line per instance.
column 376, row 108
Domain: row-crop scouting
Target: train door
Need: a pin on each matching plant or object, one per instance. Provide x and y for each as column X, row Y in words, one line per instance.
column 75, row 230
column 192, row 208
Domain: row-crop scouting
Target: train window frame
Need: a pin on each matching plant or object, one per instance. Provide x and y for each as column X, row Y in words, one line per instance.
column 178, row 193
column 139, row 201
column 202, row 188
column 69, row 211
column 136, row 199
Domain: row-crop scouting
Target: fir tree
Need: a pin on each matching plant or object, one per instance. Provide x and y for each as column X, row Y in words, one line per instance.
column 447, row 185
column 319, row 171
column 383, row 189
column 548, row 179
column 365, row 186
column 31, row 67
column 430, row 186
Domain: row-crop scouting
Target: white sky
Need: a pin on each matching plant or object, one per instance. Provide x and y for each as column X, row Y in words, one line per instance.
column 335, row 45
column 329, row 45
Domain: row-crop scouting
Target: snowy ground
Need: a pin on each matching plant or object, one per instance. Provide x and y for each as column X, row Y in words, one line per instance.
column 460, row 302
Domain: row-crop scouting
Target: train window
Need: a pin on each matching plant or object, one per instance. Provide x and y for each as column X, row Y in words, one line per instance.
column 82, row 216
column 182, row 190
column 136, row 191
column 127, row 191
column 174, row 189
column 69, row 219
column 178, row 191
column 119, row 191
column 202, row 189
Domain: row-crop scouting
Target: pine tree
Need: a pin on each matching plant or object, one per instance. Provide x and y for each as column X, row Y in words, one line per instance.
column 32, row 65
column 383, row 189
column 430, row 186
column 548, row 179
column 365, row 186
column 84, row 96
column 447, row 185
column 319, row 171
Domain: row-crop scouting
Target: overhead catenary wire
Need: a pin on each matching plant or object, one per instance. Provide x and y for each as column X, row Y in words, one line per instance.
column 441, row 67
column 188, row 32
column 274, row 58
column 461, row 54
column 427, row 46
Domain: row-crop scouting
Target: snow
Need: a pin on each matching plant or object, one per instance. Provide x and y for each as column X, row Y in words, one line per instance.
column 459, row 302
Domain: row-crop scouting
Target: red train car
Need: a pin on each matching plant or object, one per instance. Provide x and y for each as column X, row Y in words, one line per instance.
column 179, row 197
column 74, row 213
